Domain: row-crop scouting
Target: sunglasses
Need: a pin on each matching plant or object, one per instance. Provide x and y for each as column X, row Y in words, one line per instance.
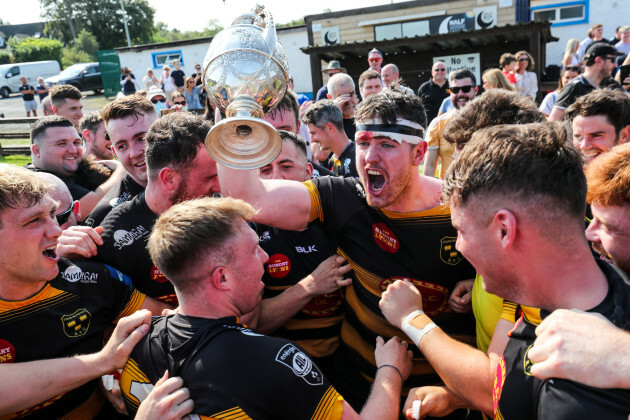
column 155, row 101
column 612, row 58
column 573, row 68
column 105, row 134
column 464, row 89
column 197, row 68
column 375, row 59
column 63, row 217
column 179, row 103
column 440, row 69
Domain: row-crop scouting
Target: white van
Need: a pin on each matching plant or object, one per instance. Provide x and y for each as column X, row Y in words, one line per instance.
column 10, row 74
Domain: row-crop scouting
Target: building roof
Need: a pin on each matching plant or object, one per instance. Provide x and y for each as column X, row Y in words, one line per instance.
column 437, row 43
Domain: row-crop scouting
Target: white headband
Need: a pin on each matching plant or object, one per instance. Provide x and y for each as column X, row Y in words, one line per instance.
column 404, row 130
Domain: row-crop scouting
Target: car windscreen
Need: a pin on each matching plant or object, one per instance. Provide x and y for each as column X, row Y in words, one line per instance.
column 72, row 71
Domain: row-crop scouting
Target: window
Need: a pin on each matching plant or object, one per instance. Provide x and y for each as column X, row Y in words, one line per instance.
column 391, row 31
column 165, row 58
column 399, row 30
column 560, row 14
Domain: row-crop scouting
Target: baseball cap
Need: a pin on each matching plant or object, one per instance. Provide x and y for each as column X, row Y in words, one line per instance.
column 601, row 49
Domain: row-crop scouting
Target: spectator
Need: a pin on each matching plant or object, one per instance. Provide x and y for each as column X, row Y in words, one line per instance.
column 128, row 81
column 47, row 106
column 167, row 81
column 595, row 34
column 567, row 74
column 617, row 36
column 333, row 68
column 571, row 57
column 150, row 80
column 391, row 79
column 494, row 79
column 370, row 82
column 198, row 75
column 375, row 60
column 508, row 65
column 41, row 89
column 434, row 91
column 624, row 45
column 341, row 91
column 66, row 102
column 28, row 95
column 178, row 75
column 191, row 94
column 526, row 80
column 178, row 101
column 158, row 98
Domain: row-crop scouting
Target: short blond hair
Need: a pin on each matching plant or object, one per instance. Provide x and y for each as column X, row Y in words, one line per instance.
column 20, row 188
column 194, row 232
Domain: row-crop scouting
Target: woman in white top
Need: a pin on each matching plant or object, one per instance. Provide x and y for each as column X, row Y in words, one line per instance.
column 168, row 86
column 150, row 80
column 567, row 74
column 570, row 57
column 526, row 80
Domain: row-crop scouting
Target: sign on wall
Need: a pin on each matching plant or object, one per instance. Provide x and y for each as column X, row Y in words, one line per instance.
column 470, row 61
column 482, row 18
column 485, row 17
column 330, row 35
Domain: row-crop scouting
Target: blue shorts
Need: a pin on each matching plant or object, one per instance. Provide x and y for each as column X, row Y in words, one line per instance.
column 30, row 105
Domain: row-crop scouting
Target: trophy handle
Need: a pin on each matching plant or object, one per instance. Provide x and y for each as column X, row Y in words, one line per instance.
column 269, row 31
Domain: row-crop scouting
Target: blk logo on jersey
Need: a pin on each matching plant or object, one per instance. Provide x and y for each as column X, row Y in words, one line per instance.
column 74, row 274
column 278, row 266
column 434, row 296
column 448, row 253
column 385, row 238
column 300, row 364
column 76, row 324
column 7, row 352
column 306, row 249
column 123, row 238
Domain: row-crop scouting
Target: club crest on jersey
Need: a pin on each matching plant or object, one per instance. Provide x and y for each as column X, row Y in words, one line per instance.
column 264, row 237
column 300, row 364
column 278, row 266
column 324, row 305
column 434, row 296
column 385, row 238
column 74, row 274
column 7, row 352
column 76, row 324
column 527, row 364
column 123, row 238
column 448, row 253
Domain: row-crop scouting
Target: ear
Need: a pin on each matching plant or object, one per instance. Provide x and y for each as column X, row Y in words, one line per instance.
column 505, row 226
column 419, row 150
column 55, row 109
column 169, row 178
column 219, row 278
column 330, row 128
column 35, row 151
column 624, row 134
column 308, row 174
column 87, row 135
column 329, row 96
column 476, row 90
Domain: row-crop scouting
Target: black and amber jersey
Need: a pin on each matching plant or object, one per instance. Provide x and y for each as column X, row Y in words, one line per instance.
column 519, row 395
column 345, row 164
column 231, row 372
column 126, row 189
column 294, row 255
column 382, row 247
column 125, row 234
column 67, row 317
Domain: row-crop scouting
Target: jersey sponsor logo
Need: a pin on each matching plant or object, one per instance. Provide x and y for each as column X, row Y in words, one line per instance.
column 266, row 236
column 157, row 275
column 300, row 364
column 243, row 330
column 76, row 324
column 324, row 305
column 306, row 249
column 448, row 253
column 278, row 266
column 434, row 296
column 499, row 380
column 7, row 352
column 117, row 201
column 385, row 238
column 74, row 274
column 123, row 238
column 527, row 364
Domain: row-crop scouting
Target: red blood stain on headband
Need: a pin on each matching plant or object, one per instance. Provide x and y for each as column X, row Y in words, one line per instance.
column 364, row 135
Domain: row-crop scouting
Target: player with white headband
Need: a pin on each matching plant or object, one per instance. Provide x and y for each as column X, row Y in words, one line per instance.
column 389, row 224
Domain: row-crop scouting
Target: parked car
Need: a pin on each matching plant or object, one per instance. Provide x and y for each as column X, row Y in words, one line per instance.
column 10, row 74
column 83, row 76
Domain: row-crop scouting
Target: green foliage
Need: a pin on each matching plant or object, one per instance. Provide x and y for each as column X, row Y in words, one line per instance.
column 161, row 33
column 101, row 18
column 294, row 22
column 74, row 55
column 5, row 57
column 87, row 43
column 35, row 49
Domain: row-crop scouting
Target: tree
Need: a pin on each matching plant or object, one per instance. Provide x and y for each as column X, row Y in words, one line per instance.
column 88, row 43
column 35, row 49
column 101, row 18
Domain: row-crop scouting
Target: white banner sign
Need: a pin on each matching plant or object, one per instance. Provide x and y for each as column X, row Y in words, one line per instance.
column 471, row 62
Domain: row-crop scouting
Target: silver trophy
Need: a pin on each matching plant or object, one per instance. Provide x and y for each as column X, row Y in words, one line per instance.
column 246, row 76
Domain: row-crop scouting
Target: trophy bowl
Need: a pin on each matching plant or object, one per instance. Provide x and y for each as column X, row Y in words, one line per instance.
column 245, row 76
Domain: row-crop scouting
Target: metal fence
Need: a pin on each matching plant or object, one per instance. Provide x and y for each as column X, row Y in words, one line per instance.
column 110, row 71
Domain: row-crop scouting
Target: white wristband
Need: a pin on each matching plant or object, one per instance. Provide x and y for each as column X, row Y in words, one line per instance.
column 416, row 334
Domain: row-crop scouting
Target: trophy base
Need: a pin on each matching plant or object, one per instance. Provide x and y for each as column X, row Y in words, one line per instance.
column 243, row 143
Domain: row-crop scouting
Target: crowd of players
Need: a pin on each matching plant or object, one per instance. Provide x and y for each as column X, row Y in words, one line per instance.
column 336, row 281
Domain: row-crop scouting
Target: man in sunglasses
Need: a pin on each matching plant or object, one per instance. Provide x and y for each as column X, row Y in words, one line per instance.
column 434, row 91
column 95, row 137
column 375, row 60
column 68, row 213
column 463, row 89
column 600, row 61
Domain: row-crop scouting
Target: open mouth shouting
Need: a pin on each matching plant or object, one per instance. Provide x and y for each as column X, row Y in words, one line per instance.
column 376, row 180
column 51, row 253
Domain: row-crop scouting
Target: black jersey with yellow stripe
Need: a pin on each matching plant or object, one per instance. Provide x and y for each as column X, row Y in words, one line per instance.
column 294, row 255
column 520, row 395
column 67, row 317
column 231, row 371
column 382, row 247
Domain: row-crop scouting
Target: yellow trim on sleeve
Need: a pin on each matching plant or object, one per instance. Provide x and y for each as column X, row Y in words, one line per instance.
column 316, row 205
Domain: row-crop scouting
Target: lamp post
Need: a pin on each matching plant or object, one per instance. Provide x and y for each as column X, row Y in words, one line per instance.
column 122, row 6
